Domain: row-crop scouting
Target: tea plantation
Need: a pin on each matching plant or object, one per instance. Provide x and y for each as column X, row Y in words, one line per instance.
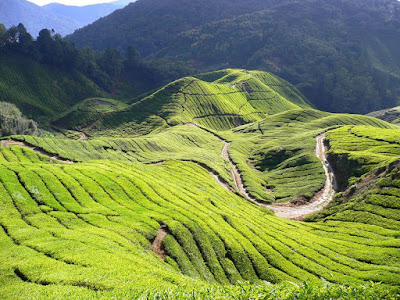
column 148, row 207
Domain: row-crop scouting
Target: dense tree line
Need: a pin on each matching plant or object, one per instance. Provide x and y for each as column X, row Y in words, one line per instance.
column 103, row 67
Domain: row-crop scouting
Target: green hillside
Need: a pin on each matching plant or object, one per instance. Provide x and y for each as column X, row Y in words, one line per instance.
column 369, row 166
column 218, row 100
column 41, row 91
column 391, row 115
column 171, row 196
column 276, row 155
column 81, row 114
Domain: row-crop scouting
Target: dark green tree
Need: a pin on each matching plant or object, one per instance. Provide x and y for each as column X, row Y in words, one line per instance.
column 25, row 40
column 45, row 46
column 111, row 62
column 133, row 58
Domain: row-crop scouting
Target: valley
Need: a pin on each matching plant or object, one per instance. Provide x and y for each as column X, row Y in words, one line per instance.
column 136, row 197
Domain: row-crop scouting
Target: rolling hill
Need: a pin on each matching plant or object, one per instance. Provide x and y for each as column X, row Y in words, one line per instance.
column 171, row 196
column 218, row 100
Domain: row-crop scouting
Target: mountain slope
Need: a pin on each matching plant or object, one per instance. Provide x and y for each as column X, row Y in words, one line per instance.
column 131, row 26
column 161, row 215
column 34, row 17
column 40, row 91
column 113, row 204
column 341, row 54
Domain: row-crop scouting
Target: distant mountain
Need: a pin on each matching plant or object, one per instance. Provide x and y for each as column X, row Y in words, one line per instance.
column 84, row 15
column 122, row 2
column 342, row 54
column 34, row 17
column 63, row 19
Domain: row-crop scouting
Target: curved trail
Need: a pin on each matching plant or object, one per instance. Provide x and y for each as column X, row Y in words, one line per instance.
column 320, row 200
column 288, row 210
column 8, row 143
column 236, row 174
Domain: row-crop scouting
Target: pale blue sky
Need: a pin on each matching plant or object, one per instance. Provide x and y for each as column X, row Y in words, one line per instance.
column 70, row 2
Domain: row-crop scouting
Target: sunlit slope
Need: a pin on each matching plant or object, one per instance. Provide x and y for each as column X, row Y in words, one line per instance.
column 357, row 150
column 367, row 161
column 41, row 91
column 276, row 155
column 187, row 143
column 219, row 100
column 88, row 227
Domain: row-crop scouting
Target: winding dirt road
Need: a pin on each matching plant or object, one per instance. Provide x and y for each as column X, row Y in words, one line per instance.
column 288, row 210
column 320, row 200
column 285, row 210
column 237, row 179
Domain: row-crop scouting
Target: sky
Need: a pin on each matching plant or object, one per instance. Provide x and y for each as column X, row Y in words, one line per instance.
column 70, row 2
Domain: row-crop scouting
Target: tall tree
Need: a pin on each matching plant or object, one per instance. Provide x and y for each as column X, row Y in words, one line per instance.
column 25, row 40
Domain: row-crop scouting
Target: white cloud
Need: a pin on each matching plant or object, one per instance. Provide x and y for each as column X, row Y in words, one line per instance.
column 70, row 2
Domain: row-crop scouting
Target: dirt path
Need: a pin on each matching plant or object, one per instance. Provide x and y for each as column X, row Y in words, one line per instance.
column 8, row 143
column 283, row 210
column 235, row 173
column 157, row 246
column 320, row 200
column 288, row 210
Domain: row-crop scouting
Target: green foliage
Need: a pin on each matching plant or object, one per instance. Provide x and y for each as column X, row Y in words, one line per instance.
column 87, row 228
column 85, row 112
column 109, row 70
column 84, row 228
column 13, row 122
column 356, row 150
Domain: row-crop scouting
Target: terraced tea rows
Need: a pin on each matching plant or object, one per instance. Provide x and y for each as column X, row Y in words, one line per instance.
column 219, row 100
column 139, row 215
column 112, row 211
column 82, row 114
column 361, row 149
column 40, row 91
column 185, row 143
column 276, row 156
